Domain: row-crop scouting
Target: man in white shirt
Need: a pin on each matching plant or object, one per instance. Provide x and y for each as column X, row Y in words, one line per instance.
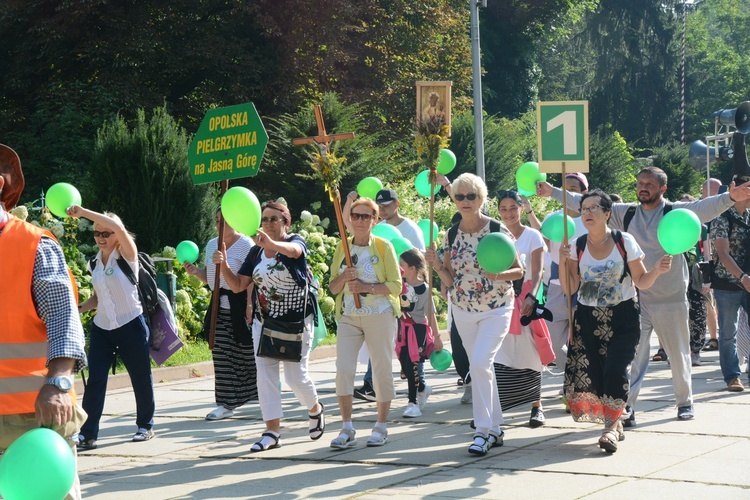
column 387, row 200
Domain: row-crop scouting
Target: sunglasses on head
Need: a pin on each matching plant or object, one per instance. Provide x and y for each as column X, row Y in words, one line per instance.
column 462, row 197
column 363, row 217
column 103, row 234
column 510, row 193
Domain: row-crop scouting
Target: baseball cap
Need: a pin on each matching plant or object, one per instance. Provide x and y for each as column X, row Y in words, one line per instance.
column 580, row 178
column 386, row 196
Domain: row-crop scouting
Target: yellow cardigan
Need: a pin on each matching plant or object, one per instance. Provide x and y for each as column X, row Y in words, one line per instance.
column 386, row 269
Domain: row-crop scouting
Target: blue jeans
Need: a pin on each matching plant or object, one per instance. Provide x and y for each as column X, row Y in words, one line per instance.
column 130, row 341
column 728, row 305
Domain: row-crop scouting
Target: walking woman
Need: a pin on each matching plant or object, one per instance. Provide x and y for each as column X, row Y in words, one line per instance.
column 276, row 270
column 233, row 356
column 605, row 267
column 527, row 349
column 375, row 277
column 482, row 304
column 119, row 327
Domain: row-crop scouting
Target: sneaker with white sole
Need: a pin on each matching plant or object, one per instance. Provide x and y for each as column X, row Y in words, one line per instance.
column 422, row 396
column 219, row 413
column 466, row 398
column 378, row 437
column 412, row 411
column 143, row 435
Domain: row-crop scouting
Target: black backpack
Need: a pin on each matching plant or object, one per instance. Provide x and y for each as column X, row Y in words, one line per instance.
column 145, row 283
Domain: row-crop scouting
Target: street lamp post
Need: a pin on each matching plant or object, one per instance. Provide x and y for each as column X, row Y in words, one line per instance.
column 477, row 83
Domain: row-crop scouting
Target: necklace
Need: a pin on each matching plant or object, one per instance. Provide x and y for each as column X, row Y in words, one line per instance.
column 600, row 242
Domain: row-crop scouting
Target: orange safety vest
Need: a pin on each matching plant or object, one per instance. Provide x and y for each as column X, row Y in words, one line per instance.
column 23, row 335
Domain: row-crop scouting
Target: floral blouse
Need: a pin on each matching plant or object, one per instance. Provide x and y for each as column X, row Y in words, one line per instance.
column 472, row 291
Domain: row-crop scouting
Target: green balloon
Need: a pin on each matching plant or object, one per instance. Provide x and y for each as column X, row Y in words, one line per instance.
column 447, row 162
column 187, row 251
column 241, row 209
column 552, row 228
column 528, row 175
column 525, row 193
column 441, row 360
column 400, row 245
column 369, row 187
column 679, row 231
column 60, row 197
column 422, row 183
column 495, row 253
column 386, row 231
column 39, row 464
column 424, row 225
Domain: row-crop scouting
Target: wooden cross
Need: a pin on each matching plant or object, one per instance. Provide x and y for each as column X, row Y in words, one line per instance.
column 322, row 141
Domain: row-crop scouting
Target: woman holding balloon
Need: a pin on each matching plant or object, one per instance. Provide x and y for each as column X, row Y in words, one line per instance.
column 481, row 300
column 276, row 271
column 233, row 357
column 524, row 353
column 605, row 267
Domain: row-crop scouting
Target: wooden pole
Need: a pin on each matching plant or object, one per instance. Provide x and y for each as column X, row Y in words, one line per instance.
column 344, row 239
column 569, row 296
column 433, row 181
column 215, row 297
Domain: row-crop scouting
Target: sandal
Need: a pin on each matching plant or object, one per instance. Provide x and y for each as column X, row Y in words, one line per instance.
column 344, row 440
column 496, row 439
column 480, row 446
column 711, row 345
column 608, row 441
column 264, row 445
column 320, row 423
column 660, row 355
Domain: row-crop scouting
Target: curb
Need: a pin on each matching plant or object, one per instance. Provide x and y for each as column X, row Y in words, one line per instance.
column 175, row 373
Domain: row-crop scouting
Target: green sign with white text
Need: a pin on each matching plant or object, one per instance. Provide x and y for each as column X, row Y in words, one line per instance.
column 229, row 144
column 563, row 136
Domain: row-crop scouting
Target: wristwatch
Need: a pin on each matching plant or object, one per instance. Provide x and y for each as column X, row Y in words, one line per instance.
column 65, row 384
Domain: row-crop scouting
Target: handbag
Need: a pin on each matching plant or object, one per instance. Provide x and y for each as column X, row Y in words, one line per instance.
column 282, row 340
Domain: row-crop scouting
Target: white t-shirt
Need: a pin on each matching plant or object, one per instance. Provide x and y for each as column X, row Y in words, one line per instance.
column 236, row 255
column 118, row 302
column 530, row 240
column 600, row 279
column 412, row 232
column 554, row 247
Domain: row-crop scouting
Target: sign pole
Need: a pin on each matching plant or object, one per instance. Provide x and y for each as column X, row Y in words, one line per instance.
column 565, row 242
column 215, row 297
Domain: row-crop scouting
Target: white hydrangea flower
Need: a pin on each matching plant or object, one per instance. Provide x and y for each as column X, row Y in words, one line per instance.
column 305, row 217
column 315, row 205
column 325, row 223
column 58, row 230
column 315, row 240
column 20, row 211
column 315, row 220
column 85, row 225
column 169, row 252
column 45, row 217
column 282, row 201
column 323, row 268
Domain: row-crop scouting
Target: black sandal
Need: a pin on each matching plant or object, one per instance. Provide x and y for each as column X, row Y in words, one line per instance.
column 480, row 448
column 660, row 355
column 259, row 446
column 320, row 425
column 711, row 345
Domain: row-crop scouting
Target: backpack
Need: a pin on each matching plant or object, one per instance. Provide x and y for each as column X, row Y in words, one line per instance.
column 145, row 282
column 619, row 244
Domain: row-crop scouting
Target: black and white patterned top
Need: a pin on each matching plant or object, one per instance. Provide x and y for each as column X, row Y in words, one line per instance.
column 56, row 305
column 720, row 229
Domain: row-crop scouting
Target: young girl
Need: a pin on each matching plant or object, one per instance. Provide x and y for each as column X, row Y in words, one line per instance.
column 416, row 338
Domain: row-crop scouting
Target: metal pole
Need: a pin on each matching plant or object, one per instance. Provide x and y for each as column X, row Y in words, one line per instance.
column 477, row 80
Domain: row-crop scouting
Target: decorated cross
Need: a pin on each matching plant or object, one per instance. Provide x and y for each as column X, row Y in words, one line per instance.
column 323, row 141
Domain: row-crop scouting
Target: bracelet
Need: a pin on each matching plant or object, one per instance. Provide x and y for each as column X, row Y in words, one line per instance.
column 744, row 275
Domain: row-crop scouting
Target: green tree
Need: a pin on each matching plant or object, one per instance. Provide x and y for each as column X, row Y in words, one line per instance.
column 673, row 159
column 140, row 171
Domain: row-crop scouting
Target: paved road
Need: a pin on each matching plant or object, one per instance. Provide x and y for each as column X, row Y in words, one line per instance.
column 192, row 458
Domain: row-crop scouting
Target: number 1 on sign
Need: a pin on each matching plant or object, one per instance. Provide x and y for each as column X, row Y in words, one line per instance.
column 567, row 120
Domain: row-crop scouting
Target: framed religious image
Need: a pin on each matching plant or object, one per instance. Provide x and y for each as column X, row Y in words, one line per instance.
column 434, row 103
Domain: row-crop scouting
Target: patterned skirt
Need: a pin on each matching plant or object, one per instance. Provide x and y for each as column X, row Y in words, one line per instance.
column 517, row 386
column 234, row 365
column 596, row 374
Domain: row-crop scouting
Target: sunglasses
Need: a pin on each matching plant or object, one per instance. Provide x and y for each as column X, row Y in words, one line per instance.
column 462, row 197
column 103, row 234
column 270, row 220
column 362, row 217
column 510, row 193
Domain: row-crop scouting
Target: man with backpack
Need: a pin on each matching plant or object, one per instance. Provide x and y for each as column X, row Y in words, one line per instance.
column 664, row 306
column 730, row 235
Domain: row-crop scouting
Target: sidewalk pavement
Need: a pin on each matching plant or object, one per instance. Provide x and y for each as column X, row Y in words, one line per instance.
column 191, row 458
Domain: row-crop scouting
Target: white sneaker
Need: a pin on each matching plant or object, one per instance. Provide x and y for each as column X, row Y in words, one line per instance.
column 422, row 396
column 466, row 398
column 412, row 411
